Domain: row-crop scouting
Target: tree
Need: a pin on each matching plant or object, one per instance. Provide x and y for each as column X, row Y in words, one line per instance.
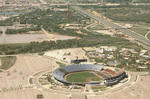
column 39, row 96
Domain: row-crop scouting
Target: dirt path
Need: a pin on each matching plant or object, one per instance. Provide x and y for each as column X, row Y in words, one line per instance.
column 48, row 34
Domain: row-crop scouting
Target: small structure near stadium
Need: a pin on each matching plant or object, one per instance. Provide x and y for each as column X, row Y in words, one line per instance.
column 109, row 76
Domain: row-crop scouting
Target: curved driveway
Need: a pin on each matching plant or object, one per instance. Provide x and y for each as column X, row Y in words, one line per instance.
column 60, row 90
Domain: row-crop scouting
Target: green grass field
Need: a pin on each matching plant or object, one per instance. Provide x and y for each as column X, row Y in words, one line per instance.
column 7, row 62
column 97, row 27
column 141, row 31
column 83, row 77
column 98, row 88
column 60, row 64
column 30, row 81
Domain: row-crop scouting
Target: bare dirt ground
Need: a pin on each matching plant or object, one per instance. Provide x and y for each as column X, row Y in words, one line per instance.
column 30, row 94
column 78, row 96
column 23, row 38
column 55, row 37
column 61, row 54
column 3, row 17
column 100, row 15
column 24, row 67
column 105, row 32
column 140, row 90
column 89, row 48
column 27, row 65
column 27, row 38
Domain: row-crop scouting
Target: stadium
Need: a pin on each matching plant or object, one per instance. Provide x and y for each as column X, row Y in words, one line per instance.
column 93, row 74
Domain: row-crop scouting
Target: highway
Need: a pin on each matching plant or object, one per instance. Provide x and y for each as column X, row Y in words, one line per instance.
column 139, row 38
column 124, row 31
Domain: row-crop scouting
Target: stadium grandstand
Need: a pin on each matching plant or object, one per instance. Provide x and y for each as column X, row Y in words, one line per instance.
column 112, row 77
column 109, row 76
column 59, row 73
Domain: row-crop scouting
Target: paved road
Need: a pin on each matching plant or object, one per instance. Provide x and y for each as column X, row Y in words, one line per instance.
column 65, row 91
column 131, row 82
column 59, row 90
column 147, row 35
column 124, row 31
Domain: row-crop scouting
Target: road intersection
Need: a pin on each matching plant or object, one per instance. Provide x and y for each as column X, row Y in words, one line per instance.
column 137, row 37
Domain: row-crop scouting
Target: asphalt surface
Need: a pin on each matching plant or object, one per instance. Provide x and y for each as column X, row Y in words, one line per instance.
column 132, row 80
column 124, row 31
column 139, row 38
column 59, row 90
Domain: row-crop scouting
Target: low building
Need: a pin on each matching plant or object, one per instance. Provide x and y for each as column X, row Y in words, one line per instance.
column 95, row 55
column 114, row 63
column 109, row 48
column 77, row 61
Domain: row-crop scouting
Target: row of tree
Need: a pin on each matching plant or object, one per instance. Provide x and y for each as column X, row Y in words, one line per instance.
column 126, row 13
column 50, row 20
column 21, row 31
column 90, row 40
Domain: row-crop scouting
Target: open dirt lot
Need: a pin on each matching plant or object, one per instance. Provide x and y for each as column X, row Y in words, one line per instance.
column 24, row 67
column 27, row 38
column 30, row 94
column 27, row 65
column 23, row 38
column 105, row 32
column 61, row 54
column 140, row 90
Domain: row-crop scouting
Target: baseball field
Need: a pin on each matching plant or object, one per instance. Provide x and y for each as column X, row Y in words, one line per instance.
column 82, row 77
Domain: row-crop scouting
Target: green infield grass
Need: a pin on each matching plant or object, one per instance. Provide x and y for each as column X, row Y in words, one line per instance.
column 82, row 77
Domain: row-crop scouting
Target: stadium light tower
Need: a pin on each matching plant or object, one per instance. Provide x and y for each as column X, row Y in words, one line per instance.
column 68, row 12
